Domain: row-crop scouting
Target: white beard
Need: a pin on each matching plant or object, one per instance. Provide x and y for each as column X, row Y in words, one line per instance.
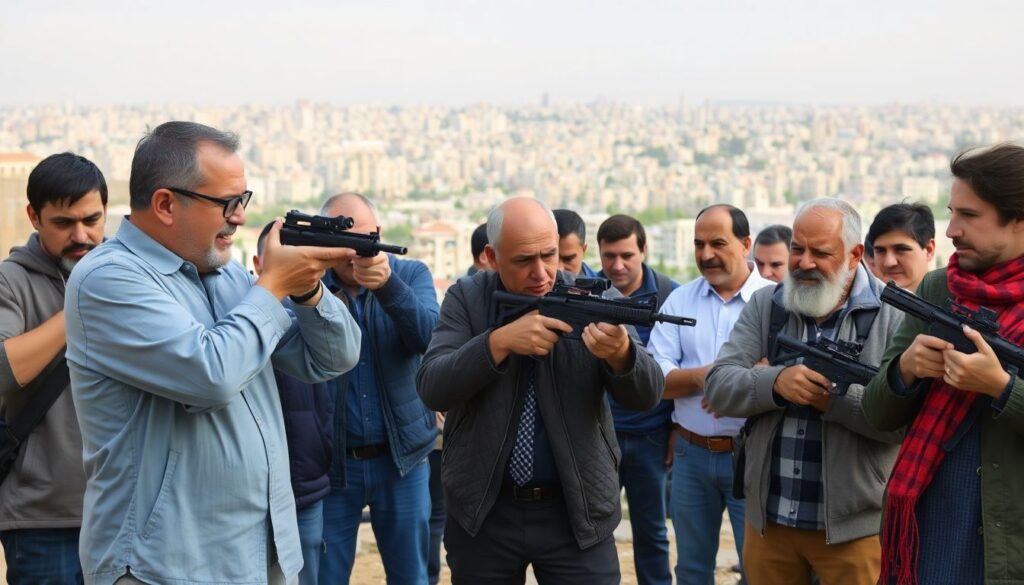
column 815, row 300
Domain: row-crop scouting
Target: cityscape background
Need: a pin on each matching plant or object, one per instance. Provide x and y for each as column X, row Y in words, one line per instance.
column 436, row 171
column 438, row 111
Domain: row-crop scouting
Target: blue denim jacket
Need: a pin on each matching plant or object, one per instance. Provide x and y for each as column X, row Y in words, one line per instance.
column 183, row 438
column 399, row 319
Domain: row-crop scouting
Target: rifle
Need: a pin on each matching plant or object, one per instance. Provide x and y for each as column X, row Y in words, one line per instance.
column 947, row 323
column 581, row 303
column 300, row 229
column 836, row 360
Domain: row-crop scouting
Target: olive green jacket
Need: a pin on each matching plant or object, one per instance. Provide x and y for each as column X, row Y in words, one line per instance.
column 1002, row 446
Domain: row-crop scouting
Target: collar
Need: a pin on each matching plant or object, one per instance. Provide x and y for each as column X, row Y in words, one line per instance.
column 144, row 246
column 648, row 284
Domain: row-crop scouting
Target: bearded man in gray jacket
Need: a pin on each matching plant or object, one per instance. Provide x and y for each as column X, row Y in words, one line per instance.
column 815, row 470
column 41, row 498
column 530, row 456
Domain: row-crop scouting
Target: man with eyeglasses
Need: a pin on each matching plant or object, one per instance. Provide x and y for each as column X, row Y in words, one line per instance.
column 170, row 346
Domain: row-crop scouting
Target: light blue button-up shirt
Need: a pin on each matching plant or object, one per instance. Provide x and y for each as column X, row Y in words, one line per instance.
column 183, row 438
column 691, row 347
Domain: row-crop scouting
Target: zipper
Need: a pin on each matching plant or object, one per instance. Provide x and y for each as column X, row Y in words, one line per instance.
column 765, row 479
column 568, row 441
column 824, row 482
column 504, row 440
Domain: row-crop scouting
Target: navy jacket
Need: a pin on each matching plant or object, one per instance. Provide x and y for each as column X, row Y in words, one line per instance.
column 307, row 425
column 400, row 318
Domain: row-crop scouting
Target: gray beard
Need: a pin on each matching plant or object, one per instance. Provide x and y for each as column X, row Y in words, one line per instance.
column 815, row 300
column 68, row 264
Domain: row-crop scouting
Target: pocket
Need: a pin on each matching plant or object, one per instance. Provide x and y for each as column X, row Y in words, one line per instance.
column 162, row 496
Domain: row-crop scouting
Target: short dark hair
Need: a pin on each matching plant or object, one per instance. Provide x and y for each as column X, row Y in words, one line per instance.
column 166, row 157
column 64, row 177
column 740, row 225
column 478, row 241
column 996, row 175
column 914, row 219
column 619, row 227
column 570, row 222
column 774, row 234
column 262, row 239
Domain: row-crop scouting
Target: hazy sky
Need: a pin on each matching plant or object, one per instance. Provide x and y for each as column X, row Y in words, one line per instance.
column 455, row 52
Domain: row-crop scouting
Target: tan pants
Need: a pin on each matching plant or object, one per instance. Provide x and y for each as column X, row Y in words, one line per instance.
column 787, row 555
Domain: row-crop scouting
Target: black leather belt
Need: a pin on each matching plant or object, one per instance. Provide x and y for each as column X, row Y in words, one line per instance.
column 531, row 494
column 367, row 452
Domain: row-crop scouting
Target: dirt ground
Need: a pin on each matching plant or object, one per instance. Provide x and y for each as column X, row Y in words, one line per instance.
column 369, row 570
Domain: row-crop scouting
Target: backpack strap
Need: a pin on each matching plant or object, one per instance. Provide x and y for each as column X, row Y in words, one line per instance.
column 862, row 321
column 777, row 320
column 45, row 390
column 664, row 287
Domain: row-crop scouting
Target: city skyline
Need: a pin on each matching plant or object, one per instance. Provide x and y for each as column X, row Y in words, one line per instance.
column 458, row 53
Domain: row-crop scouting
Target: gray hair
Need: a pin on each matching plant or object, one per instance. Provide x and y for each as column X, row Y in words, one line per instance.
column 166, row 158
column 497, row 217
column 851, row 219
column 330, row 201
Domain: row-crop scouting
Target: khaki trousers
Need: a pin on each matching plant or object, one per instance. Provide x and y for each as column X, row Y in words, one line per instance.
column 787, row 555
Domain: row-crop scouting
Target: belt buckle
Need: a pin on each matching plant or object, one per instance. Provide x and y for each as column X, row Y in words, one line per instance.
column 531, row 494
column 355, row 453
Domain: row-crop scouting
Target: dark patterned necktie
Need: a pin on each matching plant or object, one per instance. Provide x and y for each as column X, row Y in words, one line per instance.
column 521, row 465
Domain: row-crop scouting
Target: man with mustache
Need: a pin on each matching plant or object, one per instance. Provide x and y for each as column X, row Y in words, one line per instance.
column 643, row 437
column 41, row 498
column 902, row 237
column 953, row 508
column 815, row 469
column 170, row 344
column 702, row 466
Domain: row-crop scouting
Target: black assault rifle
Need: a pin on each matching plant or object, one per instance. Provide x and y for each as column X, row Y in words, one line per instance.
column 836, row 360
column 581, row 303
column 947, row 323
column 300, row 229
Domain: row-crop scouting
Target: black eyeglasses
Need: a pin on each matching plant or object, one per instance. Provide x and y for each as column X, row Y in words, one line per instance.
column 230, row 204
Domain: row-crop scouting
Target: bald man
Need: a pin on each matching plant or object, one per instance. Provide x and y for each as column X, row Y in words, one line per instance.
column 383, row 432
column 530, row 455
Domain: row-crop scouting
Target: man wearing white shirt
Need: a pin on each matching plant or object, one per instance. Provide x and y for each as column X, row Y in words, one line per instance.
column 702, row 468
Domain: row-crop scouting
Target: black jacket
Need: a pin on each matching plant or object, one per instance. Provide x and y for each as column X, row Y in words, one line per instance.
column 307, row 425
column 458, row 375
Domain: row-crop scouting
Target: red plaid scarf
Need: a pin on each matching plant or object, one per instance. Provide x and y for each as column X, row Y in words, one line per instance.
column 1000, row 288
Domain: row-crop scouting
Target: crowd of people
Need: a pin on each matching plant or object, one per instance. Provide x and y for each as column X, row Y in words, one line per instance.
column 170, row 417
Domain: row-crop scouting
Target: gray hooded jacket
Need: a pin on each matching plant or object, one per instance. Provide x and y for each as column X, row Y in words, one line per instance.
column 46, row 485
column 856, row 458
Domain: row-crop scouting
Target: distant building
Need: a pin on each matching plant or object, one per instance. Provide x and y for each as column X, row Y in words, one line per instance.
column 14, row 226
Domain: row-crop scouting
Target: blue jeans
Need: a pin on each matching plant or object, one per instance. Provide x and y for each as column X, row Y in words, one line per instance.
column 399, row 514
column 46, row 556
column 642, row 472
column 311, row 538
column 437, row 517
column 701, row 490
